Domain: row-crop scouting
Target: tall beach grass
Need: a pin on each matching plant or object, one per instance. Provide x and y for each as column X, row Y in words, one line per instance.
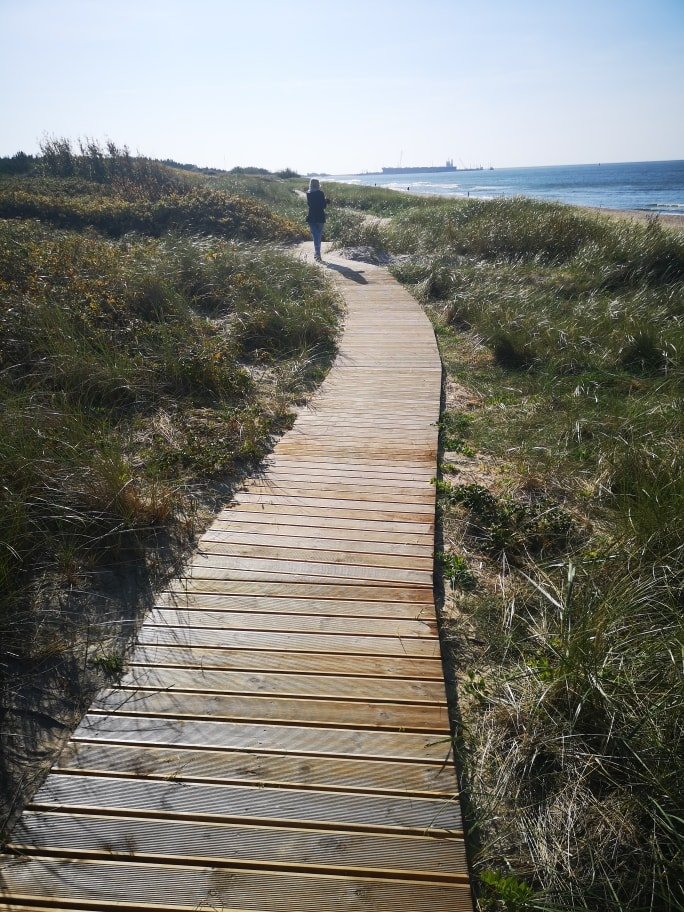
column 561, row 503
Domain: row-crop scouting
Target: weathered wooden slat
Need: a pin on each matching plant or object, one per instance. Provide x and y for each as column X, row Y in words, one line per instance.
column 228, row 845
column 322, row 480
column 202, row 801
column 353, row 509
column 296, row 539
column 396, row 469
column 365, row 472
column 284, row 605
column 311, row 623
column 302, row 771
column 208, row 580
column 295, row 739
column 273, row 684
column 108, row 885
column 281, row 710
column 317, row 491
column 382, row 454
column 406, row 441
column 416, row 596
column 231, row 567
column 286, row 550
column 293, row 516
column 179, row 655
column 295, row 642
column 288, row 526
column 311, row 418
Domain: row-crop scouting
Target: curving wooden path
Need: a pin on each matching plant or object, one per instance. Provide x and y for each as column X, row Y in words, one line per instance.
column 280, row 741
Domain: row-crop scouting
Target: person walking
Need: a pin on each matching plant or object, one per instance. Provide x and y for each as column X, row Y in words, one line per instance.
column 316, row 202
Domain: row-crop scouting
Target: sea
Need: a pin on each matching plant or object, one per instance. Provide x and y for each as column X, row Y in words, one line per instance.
column 656, row 187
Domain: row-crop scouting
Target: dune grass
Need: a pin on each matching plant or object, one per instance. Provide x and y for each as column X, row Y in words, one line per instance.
column 194, row 209
column 561, row 502
column 141, row 375
column 376, row 201
column 103, row 187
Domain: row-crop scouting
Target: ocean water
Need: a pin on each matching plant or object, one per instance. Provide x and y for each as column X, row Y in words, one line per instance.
column 656, row 187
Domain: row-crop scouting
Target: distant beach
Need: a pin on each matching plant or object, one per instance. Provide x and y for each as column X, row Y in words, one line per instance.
column 643, row 189
column 640, row 215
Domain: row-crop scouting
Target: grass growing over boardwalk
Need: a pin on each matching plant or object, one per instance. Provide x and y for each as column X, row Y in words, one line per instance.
column 149, row 349
column 561, row 499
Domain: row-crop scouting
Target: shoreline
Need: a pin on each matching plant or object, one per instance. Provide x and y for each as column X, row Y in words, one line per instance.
column 639, row 215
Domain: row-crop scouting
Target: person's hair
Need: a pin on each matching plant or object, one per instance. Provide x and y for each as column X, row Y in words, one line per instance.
column 314, row 184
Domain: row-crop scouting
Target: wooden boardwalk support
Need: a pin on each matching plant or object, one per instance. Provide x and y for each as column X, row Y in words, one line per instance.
column 280, row 740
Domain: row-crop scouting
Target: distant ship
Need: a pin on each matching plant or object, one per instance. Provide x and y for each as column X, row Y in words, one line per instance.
column 431, row 169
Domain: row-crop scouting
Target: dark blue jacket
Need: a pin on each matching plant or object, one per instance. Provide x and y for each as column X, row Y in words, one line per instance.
column 317, row 202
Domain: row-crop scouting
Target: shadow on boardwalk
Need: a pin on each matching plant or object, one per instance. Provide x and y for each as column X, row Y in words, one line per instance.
column 353, row 274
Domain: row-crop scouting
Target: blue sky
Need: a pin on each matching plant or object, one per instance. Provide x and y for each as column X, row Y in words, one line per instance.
column 348, row 86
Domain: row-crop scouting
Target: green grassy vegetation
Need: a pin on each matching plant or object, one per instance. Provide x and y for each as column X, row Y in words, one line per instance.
column 67, row 204
column 348, row 221
column 375, row 200
column 107, row 189
column 561, row 500
column 346, row 214
column 145, row 365
column 356, row 213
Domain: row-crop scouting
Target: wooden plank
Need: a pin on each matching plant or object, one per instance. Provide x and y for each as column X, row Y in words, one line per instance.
column 208, row 580
column 285, row 526
column 271, row 738
column 384, row 408
column 315, row 518
column 274, row 684
column 400, row 440
column 302, row 771
column 229, row 845
column 296, row 490
column 333, row 564
column 395, row 469
column 184, row 656
column 235, row 803
column 284, row 605
column 105, row 885
column 220, row 567
column 286, row 550
column 245, row 583
column 287, row 476
column 351, row 644
column 314, row 623
column 416, row 596
column 329, row 479
column 313, row 418
column 353, row 509
column 382, row 454
column 325, row 542
column 282, row 710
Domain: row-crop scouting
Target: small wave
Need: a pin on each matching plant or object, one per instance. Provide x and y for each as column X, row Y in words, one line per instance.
column 675, row 209
column 430, row 185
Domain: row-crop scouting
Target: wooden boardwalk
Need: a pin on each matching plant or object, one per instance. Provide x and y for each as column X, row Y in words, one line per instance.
column 280, row 740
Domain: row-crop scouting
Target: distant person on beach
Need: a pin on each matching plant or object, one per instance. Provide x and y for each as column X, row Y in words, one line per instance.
column 317, row 202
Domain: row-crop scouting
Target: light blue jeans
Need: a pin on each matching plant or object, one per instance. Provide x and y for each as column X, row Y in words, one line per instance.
column 317, row 235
